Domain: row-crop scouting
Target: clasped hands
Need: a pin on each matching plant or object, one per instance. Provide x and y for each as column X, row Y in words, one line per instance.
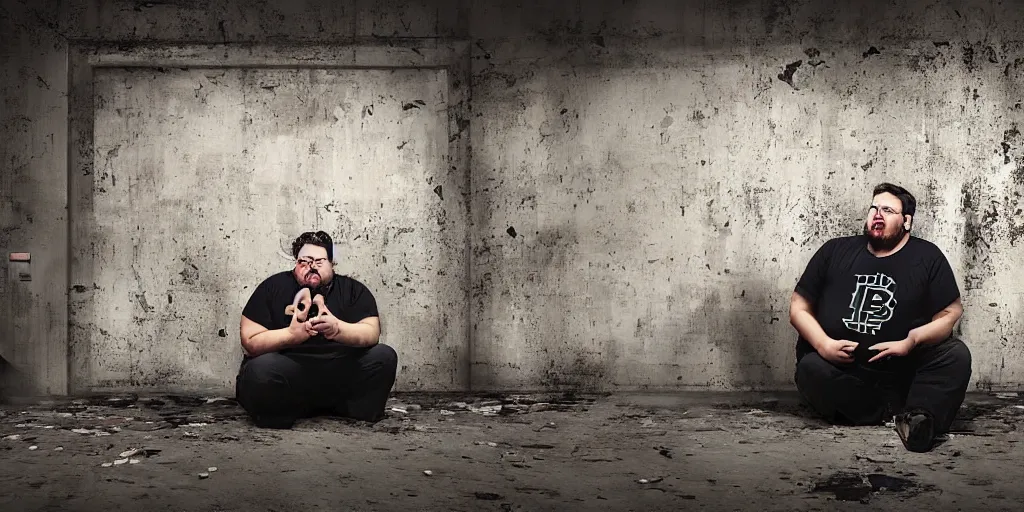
column 302, row 327
column 841, row 351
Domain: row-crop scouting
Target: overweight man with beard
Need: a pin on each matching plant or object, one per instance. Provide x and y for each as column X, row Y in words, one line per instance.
column 311, row 344
column 875, row 314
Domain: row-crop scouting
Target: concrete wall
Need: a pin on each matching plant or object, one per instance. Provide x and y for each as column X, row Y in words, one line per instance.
column 646, row 179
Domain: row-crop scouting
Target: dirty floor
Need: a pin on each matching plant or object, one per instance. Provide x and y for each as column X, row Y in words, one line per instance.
column 707, row 451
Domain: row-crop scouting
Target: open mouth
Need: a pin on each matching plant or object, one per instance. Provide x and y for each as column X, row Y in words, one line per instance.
column 877, row 226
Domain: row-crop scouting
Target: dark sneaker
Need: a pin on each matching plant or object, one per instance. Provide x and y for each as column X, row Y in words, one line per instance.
column 916, row 430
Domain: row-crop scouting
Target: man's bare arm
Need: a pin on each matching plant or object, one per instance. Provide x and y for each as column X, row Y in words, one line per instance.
column 364, row 333
column 802, row 318
column 941, row 326
column 258, row 340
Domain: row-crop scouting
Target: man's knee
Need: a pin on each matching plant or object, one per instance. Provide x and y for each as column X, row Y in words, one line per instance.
column 960, row 358
column 960, row 352
column 264, row 369
column 381, row 357
column 951, row 358
column 263, row 390
column 812, row 370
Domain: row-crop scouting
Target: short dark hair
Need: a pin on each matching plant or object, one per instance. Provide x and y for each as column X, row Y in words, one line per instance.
column 318, row 238
column 905, row 197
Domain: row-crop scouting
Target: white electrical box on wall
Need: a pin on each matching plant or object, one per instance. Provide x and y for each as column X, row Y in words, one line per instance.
column 19, row 265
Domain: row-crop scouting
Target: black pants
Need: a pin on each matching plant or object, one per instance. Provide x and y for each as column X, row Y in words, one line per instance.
column 932, row 379
column 278, row 388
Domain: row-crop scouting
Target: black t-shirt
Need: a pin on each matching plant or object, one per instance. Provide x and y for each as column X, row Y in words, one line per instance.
column 860, row 297
column 346, row 298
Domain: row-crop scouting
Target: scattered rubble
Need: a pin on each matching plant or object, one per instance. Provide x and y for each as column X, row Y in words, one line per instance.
column 549, row 424
column 145, row 452
column 599, row 458
column 538, row 446
column 89, row 431
column 876, row 460
column 488, row 408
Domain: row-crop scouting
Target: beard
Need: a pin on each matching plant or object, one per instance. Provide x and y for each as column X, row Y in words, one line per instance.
column 320, row 287
column 885, row 243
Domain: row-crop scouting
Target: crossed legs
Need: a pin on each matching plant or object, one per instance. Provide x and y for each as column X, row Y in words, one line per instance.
column 934, row 383
column 277, row 389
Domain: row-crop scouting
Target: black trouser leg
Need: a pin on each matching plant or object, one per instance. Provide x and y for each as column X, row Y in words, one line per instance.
column 273, row 388
column 364, row 381
column 839, row 393
column 939, row 385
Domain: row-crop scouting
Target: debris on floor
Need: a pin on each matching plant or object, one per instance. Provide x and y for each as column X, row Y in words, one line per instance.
column 689, row 450
column 875, row 459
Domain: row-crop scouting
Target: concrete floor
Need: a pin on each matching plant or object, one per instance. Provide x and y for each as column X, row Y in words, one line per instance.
column 708, row 451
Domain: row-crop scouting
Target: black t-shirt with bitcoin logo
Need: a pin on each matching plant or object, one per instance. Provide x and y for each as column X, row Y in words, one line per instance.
column 860, row 297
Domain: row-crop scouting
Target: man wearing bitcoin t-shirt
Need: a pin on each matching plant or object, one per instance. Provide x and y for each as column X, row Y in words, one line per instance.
column 875, row 315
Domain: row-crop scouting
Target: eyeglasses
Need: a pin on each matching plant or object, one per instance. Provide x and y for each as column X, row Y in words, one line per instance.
column 305, row 262
column 887, row 211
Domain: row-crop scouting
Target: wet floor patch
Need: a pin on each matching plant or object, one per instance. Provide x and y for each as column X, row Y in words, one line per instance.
column 845, row 486
column 850, row 486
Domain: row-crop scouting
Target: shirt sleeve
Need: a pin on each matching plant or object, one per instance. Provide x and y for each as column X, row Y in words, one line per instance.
column 813, row 280
column 942, row 286
column 258, row 308
column 363, row 304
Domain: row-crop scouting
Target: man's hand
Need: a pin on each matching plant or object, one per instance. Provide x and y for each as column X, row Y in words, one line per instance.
column 300, row 328
column 325, row 322
column 892, row 348
column 837, row 351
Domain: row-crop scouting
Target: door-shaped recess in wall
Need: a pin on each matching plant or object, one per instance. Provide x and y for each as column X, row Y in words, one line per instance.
column 202, row 176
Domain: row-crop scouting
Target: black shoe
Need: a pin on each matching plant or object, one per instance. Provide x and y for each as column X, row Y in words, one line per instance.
column 916, row 430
